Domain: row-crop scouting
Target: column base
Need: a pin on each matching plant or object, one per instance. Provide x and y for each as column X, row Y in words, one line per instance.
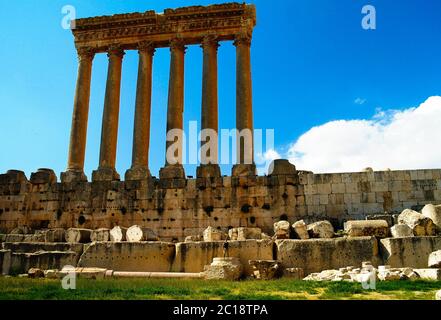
column 137, row 173
column 241, row 170
column 172, row 172
column 73, row 176
column 105, row 174
column 208, row 171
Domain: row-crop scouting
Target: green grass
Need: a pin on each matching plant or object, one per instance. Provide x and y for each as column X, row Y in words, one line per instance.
column 149, row 289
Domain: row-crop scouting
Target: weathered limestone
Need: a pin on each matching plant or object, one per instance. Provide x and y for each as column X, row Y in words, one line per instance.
column 109, row 133
column 282, row 167
column 224, row 269
column 100, row 235
column 294, row 273
column 78, row 135
column 265, row 269
column 323, row 254
column 242, row 234
column 194, row 256
column 43, row 176
column 429, row 274
column 129, row 256
column 138, row 234
column 282, row 230
column 55, row 235
column 35, row 273
column 141, row 136
column 365, row 228
column 118, row 234
column 321, row 229
column 410, row 252
column 433, row 213
column 46, row 247
column 301, row 230
column 401, row 230
column 212, row 234
column 77, row 235
column 209, row 158
column 22, row 262
column 173, row 164
column 421, row 225
column 435, row 259
column 5, row 261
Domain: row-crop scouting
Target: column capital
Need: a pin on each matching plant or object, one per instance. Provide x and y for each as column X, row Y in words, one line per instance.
column 115, row 50
column 85, row 53
column 243, row 38
column 177, row 44
column 147, row 46
column 210, row 40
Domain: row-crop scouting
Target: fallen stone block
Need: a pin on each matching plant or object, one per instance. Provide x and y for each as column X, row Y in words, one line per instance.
column 421, row 225
column 321, row 230
column 410, row 252
column 282, row 230
column 224, row 269
column 35, row 273
column 366, row 228
column 77, row 235
column 242, row 234
column 401, row 231
column 129, row 256
column 301, row 230
column 118, row 234
column 294, row 273
column 264, row 269
column 100, row 235
column 84, row 273
column 212, row 234
column 429, row 274
column 387, row 217
column 435, row 259
column 138, row 234
column 316, row 255
column 433, row 213
column 192, row 257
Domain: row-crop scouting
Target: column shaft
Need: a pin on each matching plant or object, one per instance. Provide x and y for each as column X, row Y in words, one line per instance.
column 78, row 135
column 141, row 134
column 109, row 131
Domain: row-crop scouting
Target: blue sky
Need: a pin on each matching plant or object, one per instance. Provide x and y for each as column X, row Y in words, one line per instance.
column 312, row 62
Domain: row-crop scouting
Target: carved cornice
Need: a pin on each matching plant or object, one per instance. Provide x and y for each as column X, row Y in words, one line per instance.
column 192, row 23
column 147, row 46
column 115, row 50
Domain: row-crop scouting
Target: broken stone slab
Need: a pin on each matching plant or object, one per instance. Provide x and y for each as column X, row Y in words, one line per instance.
column 321, row 230
column 364, row 228
column 138, row 234
column 77, row 235
column 282, row 229
column 433, row 213
column 429, row 274
column 55, row 235
column 294, row 273
column 401, row 231
column 100, row 235
column 387, row 217
column 211, row 234
column 35, row 273
column 435, row 259
column 264, row 269
column 242, row 234
column 301, row 230
column 117, row 234
column 421, row 225
column 224, row 269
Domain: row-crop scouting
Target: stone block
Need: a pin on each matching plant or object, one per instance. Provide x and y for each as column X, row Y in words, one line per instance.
column 281, row 167
column 13, row 177
column 129, row 256
column 401, row 231
column 421, row 225
column 432, row 274
column 242, row 234
column 321, row 229
column 193, row 257
column 47, row 247
column 435, row 259
column 363, row 228
column 45, row 260
column 317, row 255
column 5, row 261
column 223, row 269
column 410, row 252
column 43, row 176
column 265, row 269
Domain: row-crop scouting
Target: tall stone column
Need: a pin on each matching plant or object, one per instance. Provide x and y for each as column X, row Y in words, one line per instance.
column 209, row 149
column 141, row 135
column 109, row 131
column 173, row 164
column 244, row 107
column 78, row 134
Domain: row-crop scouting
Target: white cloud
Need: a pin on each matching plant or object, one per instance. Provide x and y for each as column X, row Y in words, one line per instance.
column 408, row 139
column 263, row 161
column 360, row 101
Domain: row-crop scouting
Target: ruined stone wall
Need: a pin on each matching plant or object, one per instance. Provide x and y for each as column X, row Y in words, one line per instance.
column 178, row 208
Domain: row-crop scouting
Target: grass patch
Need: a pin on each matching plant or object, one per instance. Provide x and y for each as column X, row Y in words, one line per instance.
column 169, row 289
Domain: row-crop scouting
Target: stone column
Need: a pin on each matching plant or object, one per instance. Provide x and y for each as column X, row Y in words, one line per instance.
column 78, row 134
column 244, row 107
column 109, row 131
column 209, row 149
column 173, row 164
column 141, row 135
